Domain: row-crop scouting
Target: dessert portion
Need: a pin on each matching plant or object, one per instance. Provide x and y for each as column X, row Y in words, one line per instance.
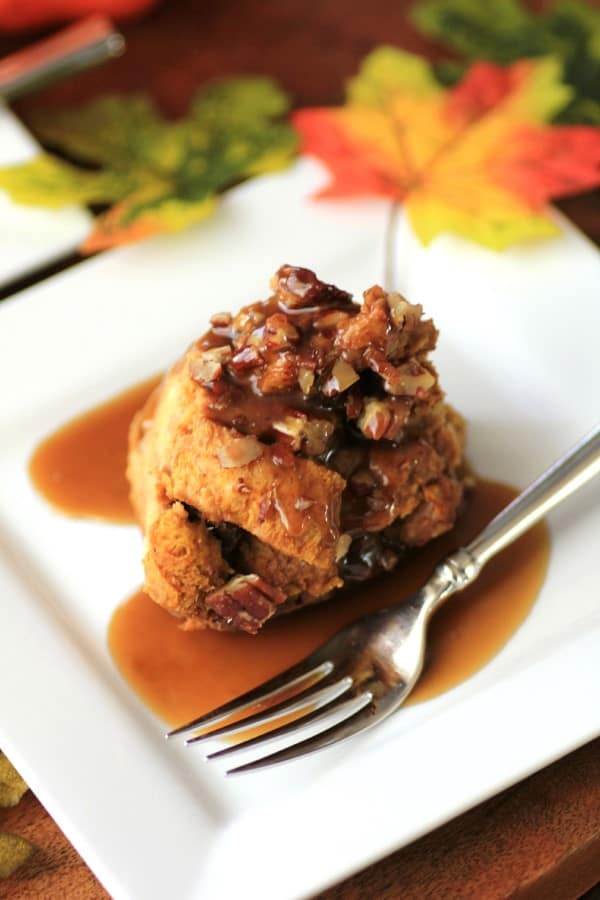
column 298, row 446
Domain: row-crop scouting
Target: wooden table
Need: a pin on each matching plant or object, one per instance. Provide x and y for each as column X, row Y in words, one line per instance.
column 539, row 839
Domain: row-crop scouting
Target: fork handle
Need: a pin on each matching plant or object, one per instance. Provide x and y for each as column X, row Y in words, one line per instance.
column 562, row 479
column 87, row 43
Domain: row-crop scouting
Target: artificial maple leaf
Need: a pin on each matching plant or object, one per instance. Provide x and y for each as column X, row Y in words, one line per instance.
column 503, row 31
column 14, row 850
column 12, row 786
column 155, row 175
column 477, row 160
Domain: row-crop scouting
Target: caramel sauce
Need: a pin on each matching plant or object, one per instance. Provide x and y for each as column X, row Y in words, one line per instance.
column 182, row 674
column 80, row 469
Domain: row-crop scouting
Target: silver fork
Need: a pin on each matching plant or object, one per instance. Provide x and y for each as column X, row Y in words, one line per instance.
column 367, row 670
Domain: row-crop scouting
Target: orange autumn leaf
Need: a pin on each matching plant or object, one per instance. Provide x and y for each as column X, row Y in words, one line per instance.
column 479, row 160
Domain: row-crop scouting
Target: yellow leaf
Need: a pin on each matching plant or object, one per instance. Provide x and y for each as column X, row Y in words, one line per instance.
column 14, row 850
column 12, row 786
column 139, row 218
column 387, row 72
column 46, row 181
column 431, row 217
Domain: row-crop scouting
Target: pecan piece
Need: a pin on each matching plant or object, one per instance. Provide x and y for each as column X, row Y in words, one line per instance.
column 313, row 436
column 208, row 365
column 306, row 379
column 245, row 602
column 411, row 379
column 299, row 288
column 221, row 320
column 341, row 378
column 279, row 333
column 248, row 358
column 239, row 452
column 383, row 418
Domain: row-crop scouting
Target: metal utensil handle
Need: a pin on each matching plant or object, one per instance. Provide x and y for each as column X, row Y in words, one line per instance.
column 88, row 43
column 567, row 475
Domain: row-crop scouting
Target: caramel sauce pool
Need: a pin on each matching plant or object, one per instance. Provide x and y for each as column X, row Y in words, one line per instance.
column 81, row 470
column 182, row 674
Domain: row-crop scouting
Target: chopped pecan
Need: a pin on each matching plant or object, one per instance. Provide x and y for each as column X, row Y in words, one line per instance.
column 299, row 288
column 245, row 602
column 343, row 545
column 411, row 379
column 383, row 418
column 341, row 378
column 248, row 358
column 302, row 503
column 279, row 333
column 404, row 313
column 221, row 320
column 248, row 318
column 280, row 375
column 306, row 378
column 239, row 452
column 208, row 365
column 310, row 435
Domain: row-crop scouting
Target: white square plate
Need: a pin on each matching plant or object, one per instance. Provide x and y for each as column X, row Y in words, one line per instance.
column 518, row 356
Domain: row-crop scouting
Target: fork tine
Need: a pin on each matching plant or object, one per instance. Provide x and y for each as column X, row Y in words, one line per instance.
column 310, row 702
column 333, row 715
column 297, row 677
column 354, row 723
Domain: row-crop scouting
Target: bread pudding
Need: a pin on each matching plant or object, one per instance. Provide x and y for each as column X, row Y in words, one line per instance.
column 298, row 446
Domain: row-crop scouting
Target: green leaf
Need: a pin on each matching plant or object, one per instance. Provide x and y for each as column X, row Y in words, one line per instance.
column 232, row 135
column 161, row 175
column 14, row 851
column 474, row 29
column 47, row 181
column 234, row 101
column 115, row 131
column 385, row 72
column 12, row 786
column 503, row 31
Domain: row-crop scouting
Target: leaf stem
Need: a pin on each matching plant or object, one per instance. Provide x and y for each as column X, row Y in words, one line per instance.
column 389, row 247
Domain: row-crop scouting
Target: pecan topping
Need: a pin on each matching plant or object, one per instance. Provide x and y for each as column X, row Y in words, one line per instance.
column 245, row 602
column 248, row 358
column 310, row 435
column 239, row 452
column 357, row 455
column 306, row 378
column 221, row 320
column 342, row 377
column 299, row 288
column 343, row 545
column 208, row 366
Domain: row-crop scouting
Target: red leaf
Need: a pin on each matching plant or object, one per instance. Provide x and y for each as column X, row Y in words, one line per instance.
column 324, row 138
column 541, row 163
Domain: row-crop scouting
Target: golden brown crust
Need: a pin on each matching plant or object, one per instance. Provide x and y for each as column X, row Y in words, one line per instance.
column 189, row 449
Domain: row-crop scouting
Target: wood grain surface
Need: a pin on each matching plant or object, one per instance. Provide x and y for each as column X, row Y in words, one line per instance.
column 540, row 840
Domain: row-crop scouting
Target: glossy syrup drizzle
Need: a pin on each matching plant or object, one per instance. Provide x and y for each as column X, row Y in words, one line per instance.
column 80, row 470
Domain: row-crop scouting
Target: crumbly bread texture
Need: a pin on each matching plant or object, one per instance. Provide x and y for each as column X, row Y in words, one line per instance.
column 297, row 446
